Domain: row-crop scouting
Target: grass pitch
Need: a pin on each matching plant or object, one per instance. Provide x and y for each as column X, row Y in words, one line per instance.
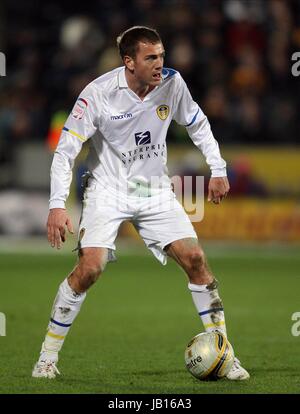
column 133, row 327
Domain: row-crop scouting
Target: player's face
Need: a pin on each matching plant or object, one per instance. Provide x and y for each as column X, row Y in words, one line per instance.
column 148, row 63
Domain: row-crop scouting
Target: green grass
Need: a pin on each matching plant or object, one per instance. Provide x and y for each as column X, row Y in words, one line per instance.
column 136, row 321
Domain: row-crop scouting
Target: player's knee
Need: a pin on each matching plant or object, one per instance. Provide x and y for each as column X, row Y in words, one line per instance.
column 91, row 271
column 91, row 264
column 85, row 274
column 197, row 269
column 196, row 259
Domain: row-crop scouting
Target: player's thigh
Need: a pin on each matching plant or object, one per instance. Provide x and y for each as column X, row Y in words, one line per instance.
column 164, row 222
column 101, row 218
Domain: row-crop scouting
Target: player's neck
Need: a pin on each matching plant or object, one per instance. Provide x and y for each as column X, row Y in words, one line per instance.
column 140, row 89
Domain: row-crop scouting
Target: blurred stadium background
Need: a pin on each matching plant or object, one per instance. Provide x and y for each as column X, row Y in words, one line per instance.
column 236, row 59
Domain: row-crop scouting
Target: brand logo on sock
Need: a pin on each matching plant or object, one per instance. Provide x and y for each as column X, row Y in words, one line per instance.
column 64, row 310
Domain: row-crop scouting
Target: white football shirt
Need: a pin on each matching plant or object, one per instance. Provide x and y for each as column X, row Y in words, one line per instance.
column 128, row 135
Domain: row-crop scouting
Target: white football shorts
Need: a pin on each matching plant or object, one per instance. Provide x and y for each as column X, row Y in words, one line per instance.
column 159, row 219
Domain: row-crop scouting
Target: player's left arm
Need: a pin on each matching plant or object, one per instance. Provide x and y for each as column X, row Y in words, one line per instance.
column 189, row 114
column 218, row 188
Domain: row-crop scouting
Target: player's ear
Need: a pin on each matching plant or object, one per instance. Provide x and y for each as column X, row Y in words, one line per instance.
column 128, row 62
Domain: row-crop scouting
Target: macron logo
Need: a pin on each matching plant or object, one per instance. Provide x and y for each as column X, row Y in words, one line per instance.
column 123, row 116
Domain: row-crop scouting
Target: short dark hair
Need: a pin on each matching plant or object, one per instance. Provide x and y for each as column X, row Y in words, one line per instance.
column 128, row 41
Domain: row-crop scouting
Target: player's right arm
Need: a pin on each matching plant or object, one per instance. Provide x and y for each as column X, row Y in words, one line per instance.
column 79, row 127
column 57, row 221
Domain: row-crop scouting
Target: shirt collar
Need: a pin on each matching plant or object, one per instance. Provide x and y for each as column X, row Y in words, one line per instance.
column 122, row 79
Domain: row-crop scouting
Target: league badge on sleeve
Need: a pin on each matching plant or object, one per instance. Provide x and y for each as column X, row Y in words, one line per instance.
column 162, row 112
column 79, row 108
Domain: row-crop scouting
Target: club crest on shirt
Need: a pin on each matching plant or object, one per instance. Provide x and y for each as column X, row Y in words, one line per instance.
column 79, row 108
column 162, row 112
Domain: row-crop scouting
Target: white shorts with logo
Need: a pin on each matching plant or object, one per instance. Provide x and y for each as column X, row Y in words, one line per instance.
column 159, row 219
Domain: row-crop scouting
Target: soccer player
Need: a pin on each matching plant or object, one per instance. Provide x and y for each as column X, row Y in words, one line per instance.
column 125, row 114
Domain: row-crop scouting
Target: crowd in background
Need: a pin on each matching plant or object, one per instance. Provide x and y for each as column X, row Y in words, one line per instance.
column 234, row 55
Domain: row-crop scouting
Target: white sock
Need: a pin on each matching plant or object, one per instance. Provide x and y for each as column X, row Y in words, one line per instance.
column 65, row 309
column 209, row 306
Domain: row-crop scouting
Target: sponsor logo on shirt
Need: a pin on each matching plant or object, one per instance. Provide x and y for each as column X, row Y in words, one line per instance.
column 79, row 108
column 162, row 112
column 142, row 138
column 143, row 153
column 122, row 116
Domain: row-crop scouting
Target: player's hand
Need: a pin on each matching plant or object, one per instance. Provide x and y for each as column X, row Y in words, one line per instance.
column 218, row 188
column 56, row 226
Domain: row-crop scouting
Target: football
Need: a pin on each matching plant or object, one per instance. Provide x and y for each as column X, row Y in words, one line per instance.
column 209, row 356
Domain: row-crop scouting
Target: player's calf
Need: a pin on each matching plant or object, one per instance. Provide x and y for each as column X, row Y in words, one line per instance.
column 83, row 277
column 209, row 306
column 66, row 306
